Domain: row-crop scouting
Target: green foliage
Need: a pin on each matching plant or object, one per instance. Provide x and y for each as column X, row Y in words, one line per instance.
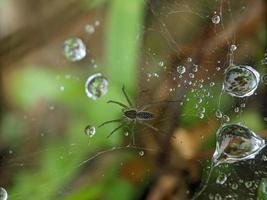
column 60, row 158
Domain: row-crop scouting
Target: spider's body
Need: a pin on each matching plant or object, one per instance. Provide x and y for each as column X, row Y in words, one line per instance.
column 131, row 116
column 145, row 115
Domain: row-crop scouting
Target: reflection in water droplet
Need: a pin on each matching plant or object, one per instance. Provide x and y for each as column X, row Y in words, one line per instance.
column 235, row 142
column 96, row 86
column 74, row 49
column 3, row 194
column 215, row 19
column 241, row 81
column 90, row 130
column 181, row 69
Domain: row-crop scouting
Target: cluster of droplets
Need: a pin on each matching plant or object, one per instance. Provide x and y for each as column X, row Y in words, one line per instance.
column 90, row 28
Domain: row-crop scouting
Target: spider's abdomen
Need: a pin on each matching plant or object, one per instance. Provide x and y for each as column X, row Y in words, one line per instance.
column 143, row 115
column 131, row 114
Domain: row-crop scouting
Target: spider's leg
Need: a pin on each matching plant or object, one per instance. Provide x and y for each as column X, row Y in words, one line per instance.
column 154, row 128
column 126, row 96
column 133, row 134
column 149, row 126
column 110, row 121
column 114, row 130
column 155, row 103
column 118, row 103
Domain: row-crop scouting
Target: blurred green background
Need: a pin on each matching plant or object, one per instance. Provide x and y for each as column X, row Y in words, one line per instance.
column 138, row 44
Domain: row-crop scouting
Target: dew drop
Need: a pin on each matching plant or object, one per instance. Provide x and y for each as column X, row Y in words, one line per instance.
column 3, row 194
column 74, row 49
column 218, row 114
column 233, row 48
column 90, row 130
column 141, row 153
column 89, row 28
column 241, row 81
column 181, row 69
column 226, row 118
column 96, row 86
column 221, row 179
column 215, row 19
column 234, row 186
column 235, row 142
column 191, row 75
column 217, row 197
column 264, row 79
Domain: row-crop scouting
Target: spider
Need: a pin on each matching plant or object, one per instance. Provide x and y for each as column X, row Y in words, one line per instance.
column 131, row 115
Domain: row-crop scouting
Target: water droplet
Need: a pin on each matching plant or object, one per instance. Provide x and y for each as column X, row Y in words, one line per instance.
column 161, row 63
column 62, row 88
column 221, row 178
column 96, row 86
column 211, row 196
column 97, row 23
column 181, row 69
column 233, row 48
column 74, row 49
column 226, row 118
column 234, row 186
column 264, row 79
column 141, row 153
column 241, row 81
column 191, row 75
column 189, row 59
column 236, row 109
column 215, row 19
column 3, row 194
column 217, row 197
column 218, row 114
column 212, row 84
column 248, row 184
column 90, row 130
column 89, row 28
column 235, row 142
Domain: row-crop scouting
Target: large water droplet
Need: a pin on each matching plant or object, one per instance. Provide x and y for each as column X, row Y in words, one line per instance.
column 74, row 49
column 90, row 130
column 3, row 194
column 241, row 81
column 96, row 86
column 235, row 142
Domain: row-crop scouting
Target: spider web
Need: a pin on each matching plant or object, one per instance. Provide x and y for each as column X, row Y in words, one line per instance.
column 175, row 33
